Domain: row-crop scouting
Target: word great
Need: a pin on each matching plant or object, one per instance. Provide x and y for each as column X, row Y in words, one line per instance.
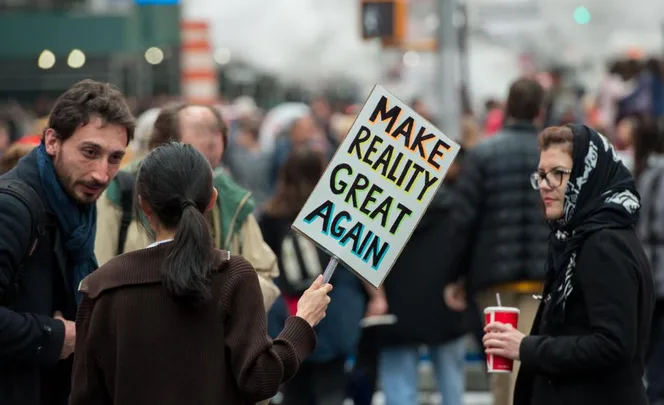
column 366, row 246
column 368, row 205
column 406, row 129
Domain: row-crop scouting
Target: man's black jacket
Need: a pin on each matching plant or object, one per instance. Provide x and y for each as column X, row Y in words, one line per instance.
column 31, row 372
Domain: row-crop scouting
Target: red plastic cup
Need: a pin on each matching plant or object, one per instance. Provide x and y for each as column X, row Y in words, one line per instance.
column 499, row 364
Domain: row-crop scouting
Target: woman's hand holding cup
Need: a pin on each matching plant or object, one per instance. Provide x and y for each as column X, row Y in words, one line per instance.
column 312, row 305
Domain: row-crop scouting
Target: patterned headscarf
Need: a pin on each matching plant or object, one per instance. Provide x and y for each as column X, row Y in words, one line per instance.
column 601, row 193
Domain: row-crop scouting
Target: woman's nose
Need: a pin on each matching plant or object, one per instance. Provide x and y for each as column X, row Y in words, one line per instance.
column 545, row 188
column 544, row 185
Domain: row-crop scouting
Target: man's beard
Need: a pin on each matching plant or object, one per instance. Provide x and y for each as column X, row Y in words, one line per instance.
column 68, row 184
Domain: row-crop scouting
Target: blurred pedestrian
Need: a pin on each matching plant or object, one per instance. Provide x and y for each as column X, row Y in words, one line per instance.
column 650, row 182
column 322, row 378
column 13, row 154
column 233, row 225
column 496, row 238
column 424, row 320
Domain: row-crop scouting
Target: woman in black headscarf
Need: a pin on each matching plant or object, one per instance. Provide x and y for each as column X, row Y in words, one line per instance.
column 590, row 335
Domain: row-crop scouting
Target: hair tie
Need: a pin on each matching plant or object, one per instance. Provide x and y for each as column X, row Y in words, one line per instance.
column 187, row 203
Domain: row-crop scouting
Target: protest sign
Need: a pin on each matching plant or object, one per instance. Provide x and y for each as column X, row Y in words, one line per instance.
column 377, row 186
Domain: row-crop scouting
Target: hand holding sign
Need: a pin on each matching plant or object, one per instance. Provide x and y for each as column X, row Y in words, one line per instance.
column 312, row 305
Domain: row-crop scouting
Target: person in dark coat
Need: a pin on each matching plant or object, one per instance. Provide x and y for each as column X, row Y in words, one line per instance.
column 649, row 162
column 80, row 153
column 589, row 339
column 495, row 225
column 322, row 378
column 422, row 318
column 181, row 322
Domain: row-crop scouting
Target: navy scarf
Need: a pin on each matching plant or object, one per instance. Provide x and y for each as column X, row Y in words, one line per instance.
column 78, row 223
column 601, row 193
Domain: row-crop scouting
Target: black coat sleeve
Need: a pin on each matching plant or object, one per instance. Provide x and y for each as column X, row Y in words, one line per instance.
column 607, row 275
column 24, row 337
column 465, row 205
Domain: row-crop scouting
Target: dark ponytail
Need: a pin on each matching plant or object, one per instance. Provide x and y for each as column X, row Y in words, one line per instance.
column 175, row 181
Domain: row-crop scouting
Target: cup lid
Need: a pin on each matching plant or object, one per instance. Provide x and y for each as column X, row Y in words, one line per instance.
column 501, row 309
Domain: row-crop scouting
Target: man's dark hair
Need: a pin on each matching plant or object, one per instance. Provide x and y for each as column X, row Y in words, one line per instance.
column 167, row 126
column 525, row 100
column 88, row 99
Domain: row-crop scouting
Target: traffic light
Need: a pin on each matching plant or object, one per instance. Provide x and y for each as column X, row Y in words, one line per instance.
column 581, row 15
column 384, row 19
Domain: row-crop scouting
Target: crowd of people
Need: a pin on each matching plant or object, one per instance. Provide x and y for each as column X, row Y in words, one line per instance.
column 205, row 294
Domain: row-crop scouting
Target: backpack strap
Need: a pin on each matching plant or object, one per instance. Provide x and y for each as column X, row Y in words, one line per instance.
column 28, row 197
column 126, row 186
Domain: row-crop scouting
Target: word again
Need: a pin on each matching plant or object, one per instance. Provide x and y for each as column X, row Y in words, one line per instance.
column 366, row 246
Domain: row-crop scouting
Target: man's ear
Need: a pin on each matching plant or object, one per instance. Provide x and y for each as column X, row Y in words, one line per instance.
column 52, row 142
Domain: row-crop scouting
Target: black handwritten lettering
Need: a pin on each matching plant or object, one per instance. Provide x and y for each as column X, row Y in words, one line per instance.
column 437, row 152
column 369, row 199
column 369, row 248
column 382, row 111
column 420, row 140
column 391, row 175
column 417, row 171
column 376, row 252
column 365, row 241
column 372, row 149
column 409, row 163
column 337, row 230
column 362, row 136
column 384, row 160
column 383, row 210
column 403, row 213
column 323, row 211
column 405, row 129
column 338, row 187
column 429, row 180
column 354, row 234
column 361, row 183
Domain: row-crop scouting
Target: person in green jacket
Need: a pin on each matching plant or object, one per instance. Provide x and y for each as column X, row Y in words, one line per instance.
column 233, row 225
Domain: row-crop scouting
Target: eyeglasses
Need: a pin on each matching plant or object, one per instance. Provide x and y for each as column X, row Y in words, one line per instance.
column 553, row 178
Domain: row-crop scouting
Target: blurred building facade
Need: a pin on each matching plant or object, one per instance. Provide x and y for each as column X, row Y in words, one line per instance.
column 49, row 44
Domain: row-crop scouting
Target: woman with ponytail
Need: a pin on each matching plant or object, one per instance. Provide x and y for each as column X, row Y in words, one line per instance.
column 181, row 322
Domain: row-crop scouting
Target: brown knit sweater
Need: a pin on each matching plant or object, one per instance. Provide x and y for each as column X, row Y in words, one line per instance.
column 135, row 345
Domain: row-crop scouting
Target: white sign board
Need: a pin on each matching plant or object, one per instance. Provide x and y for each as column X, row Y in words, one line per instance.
column 377, row 186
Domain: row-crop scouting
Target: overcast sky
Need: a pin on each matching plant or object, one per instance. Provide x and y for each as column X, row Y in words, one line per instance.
column 310, row 40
